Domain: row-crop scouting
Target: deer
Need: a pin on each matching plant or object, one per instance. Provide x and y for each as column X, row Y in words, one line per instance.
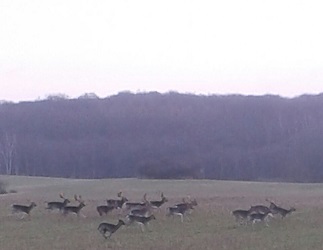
column 259, row 209
column 181, row 209
column 142, row 210
column 141, row 220
column 117, row 203
column 137, row 205
column 23, row 209
column 104, row 209
column 158, row 204
column 241, row 215
column 105, row 227
column 279, row 210
column 260, row 217
column 75, row 209
column 52, row 205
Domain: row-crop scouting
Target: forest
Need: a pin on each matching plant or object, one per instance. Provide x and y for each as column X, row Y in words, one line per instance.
column 165, row 136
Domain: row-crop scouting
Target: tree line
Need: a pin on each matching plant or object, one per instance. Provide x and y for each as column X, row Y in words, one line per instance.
column 172, row 135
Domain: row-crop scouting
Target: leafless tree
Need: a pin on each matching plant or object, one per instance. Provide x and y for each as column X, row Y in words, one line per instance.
column 7, row 153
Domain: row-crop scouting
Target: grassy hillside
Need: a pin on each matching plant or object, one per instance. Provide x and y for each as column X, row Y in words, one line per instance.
column 211, row 225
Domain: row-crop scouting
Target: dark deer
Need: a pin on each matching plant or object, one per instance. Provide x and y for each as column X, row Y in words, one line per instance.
column 181, row 209
column 136, row 205
column 53, row 205
column 141, row 220
column 109, row 228
column 23, row 209
column 75, row 209
column 117, row 203
column 158, row 204
column 241, row 216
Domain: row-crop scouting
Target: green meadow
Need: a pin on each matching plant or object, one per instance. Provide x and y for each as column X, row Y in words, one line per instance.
column 209, row 226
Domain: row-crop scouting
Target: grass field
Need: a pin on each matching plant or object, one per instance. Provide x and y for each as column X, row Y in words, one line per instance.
column 211, row 225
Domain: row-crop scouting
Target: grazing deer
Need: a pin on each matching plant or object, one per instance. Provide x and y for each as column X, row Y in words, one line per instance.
column 117, row 203
column 141, row 220
column 58, row 204
column 241, row 216
column 158, row 204
column 110, row 228
column 181, row 209
column 23, row 209
column 260, row 217
column 75, row 209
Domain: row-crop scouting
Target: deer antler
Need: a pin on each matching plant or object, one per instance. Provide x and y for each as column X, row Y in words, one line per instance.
column 78, row 198
column 120, row 194
column 145, row 197
column 61, row 195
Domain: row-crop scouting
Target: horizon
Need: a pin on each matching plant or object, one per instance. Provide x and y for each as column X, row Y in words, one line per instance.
column 199, row 47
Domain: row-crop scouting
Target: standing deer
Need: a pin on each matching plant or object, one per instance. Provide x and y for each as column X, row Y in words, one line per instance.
column 23, row 209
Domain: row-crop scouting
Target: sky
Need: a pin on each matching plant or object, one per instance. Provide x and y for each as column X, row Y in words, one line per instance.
column 73, row 47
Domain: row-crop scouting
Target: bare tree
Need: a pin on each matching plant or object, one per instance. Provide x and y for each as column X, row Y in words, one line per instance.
column 7, row 153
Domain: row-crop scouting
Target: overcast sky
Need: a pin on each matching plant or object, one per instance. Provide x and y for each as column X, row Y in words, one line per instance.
column 209, row 47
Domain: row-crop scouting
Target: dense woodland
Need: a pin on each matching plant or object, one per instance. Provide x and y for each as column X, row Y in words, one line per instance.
column 153, row 135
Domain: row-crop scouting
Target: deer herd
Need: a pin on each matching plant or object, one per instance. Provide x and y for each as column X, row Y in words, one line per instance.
column 260, row 213
column 144, row 211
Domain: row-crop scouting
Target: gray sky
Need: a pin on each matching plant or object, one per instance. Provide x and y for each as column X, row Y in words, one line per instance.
column 209, row 47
